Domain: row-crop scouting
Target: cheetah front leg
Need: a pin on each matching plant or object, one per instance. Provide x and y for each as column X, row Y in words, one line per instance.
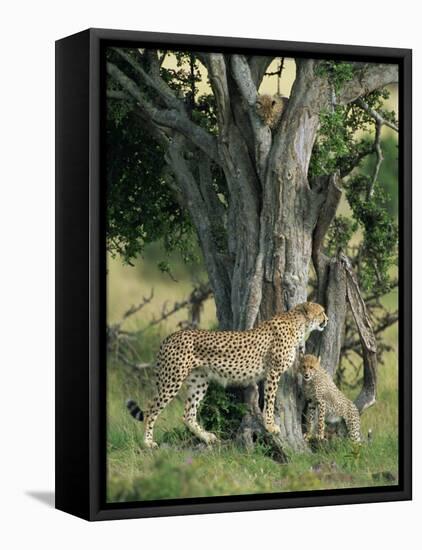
column 322, row 409
column 197, row 383
column 270, row 390
column 310, row 417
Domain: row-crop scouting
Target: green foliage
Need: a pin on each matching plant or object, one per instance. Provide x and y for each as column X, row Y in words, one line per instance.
column 141, row 201
column 334, row 142
column 337, row 72
column 222, row 411
column 340, row 234
column 338, row 146
column 141, row 207
column 379, row 249
column 388, row 173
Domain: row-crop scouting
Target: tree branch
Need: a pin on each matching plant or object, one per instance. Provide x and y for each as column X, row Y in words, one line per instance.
column 199, row 210
column 368, row 78
column 380, row 121
column 155, row 83
column 258, row 65
column 217, row 72
column 380, row 158
column 349, row 163
column 243, row 78
column 367, row 396
column 170, row 118
column 118, row 94
column 375, row 115
column 333, row 193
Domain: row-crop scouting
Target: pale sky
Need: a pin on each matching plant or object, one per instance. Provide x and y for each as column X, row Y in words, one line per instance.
column 268, row 86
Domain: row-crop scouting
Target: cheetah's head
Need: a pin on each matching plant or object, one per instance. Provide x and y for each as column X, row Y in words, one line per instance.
column 314, row 315
column 308, row 366
column 264, row 107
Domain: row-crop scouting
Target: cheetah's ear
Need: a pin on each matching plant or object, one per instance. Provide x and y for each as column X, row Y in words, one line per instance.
column 306, row 309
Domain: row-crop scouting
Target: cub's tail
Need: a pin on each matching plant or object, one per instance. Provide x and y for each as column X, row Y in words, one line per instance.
column 134, row 410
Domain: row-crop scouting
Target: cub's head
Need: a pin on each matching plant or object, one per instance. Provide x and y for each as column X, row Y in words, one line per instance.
column 308, row 366
column 265, row 106
column 270, row 108
column 313, row 314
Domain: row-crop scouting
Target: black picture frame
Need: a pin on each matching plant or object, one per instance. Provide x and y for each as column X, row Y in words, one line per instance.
column 80, row 277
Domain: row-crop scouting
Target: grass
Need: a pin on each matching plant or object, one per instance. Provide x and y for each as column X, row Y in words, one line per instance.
column 182, row 467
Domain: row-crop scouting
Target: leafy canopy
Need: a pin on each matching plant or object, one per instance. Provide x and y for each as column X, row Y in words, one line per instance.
column 143, row 206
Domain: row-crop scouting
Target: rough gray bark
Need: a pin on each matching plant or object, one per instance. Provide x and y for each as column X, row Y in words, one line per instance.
column 367, row 396
column 275, row 219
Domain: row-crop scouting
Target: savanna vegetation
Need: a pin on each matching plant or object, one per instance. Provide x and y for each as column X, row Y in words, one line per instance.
column 175, row 223
column 182, row 466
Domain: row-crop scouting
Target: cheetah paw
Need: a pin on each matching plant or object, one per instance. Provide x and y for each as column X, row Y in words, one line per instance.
column 273, row 429
column 151, row 445
column 210, row 438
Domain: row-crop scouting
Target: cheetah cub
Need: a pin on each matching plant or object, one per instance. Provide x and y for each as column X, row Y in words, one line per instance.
column 270, row 108
column 320, row 391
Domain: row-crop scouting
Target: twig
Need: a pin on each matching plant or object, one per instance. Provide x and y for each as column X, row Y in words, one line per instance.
column 376, row 296
column 375, row 115
column 380, row 157
column 139, row 366
column 198, row 294
column 380, row 121
column 131, row 311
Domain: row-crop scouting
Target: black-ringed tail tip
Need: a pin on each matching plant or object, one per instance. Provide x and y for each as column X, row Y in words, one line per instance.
column 134, row 410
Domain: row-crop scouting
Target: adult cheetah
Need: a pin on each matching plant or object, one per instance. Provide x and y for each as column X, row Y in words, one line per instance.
column 228, row 357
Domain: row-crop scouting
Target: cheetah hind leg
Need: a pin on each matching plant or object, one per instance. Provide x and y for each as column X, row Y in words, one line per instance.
column 197, row 385
column 165, row 393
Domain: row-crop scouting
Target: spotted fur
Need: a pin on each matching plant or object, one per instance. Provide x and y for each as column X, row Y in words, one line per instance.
column 321, row 392
column 228, row 357
column 270, row 108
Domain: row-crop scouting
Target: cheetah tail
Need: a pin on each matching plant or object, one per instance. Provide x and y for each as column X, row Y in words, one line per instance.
column 134, row 410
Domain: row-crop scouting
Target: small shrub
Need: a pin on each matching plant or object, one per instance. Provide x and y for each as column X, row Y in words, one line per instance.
column 222, row 411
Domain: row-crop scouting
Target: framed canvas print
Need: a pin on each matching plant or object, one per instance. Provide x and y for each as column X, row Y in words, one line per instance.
column 233, row 274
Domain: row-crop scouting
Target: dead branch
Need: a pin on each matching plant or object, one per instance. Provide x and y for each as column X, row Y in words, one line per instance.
column 120, row 341
column 114, row 331
column 198, row 295
column 138, row 366
column 367, row 396
column 195, row 302
column 135, row 308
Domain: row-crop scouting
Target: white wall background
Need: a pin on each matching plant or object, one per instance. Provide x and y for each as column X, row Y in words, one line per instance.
column 27, row 272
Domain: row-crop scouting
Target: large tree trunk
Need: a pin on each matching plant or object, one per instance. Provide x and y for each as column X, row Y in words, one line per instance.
column 275, row 218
